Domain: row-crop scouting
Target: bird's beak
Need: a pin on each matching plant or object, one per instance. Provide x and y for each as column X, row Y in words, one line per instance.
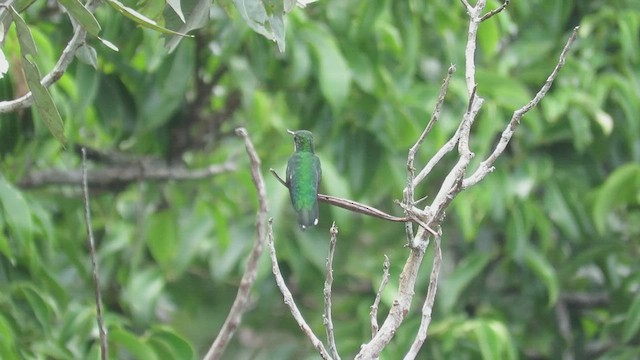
column 291, row 132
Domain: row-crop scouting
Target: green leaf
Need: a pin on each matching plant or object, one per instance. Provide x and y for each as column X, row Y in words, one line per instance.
column 544, row 271
column 494, row 339
column 265, row 20
column 141, row 19
column 88, row 55
column 39, row 303
column 27, row 45
column 162, row 238
column 7, row 340
column 175, row 5
column 632, row 321
column 196, row 15
column 82, row 15
column 334, row 73
column 464, row 273
column 167, row 342
column 133, row 344
column 143, row 291
column 16, row 212
column 487, row 340
column 43, row 101
column 4, row 64
column 108, row 44
column 621, row 187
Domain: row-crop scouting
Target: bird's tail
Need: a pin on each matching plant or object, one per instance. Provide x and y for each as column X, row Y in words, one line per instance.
column 308, row 217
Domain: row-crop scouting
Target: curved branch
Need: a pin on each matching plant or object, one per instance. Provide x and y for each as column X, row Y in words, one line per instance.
column 119, row 175
column 58, row 70
column 242, row 298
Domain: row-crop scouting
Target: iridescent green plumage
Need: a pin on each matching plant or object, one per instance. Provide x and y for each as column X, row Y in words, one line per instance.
column 303, row 178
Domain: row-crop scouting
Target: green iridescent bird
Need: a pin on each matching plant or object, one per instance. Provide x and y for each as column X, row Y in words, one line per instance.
column 303, row 178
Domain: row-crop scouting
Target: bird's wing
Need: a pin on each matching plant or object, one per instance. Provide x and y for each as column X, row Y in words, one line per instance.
column 318, row 172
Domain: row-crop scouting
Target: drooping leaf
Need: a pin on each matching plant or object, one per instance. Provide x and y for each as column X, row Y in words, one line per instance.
column 4, row 64
column 334, row 73
column 195, row 16
column 133, row 344
column 545, row 272
column 141, row 19
column 27, row 45
column 168, row 342
column 15, row 212
column 265, row 18
column 464, row 273
column 631, row 324
column 82, row 15
column 88, row 55
column 621, row 187
column 43, row 101
column 175, row 5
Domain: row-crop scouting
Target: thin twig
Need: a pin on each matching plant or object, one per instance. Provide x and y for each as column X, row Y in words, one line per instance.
column 288, row 298
column 487, row 165
column 239, row 306
column 400, row 306
column 495, row 11
column 376, row 302
column 104, row 349
column 328, row 322
column 58, row 70
column 409, row 189
column 427, row 307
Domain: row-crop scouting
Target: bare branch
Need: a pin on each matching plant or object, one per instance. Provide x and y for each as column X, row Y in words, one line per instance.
column 280, row 180
column 400, row 306
column 376, row 302
column 288, row 298
column 427, row 307
column 239, row 306
column 466, row 5
column 58, row 70
column 104, row 348
column 119, row 175
column 487, row 165
column 328, row 322
column 470, row 49
column 495, row 11
column 409, row 189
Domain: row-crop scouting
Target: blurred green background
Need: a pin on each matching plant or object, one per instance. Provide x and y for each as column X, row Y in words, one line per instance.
column 540, row 258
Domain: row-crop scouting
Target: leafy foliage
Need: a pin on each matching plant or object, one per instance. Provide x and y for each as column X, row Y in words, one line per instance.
column 539, row 259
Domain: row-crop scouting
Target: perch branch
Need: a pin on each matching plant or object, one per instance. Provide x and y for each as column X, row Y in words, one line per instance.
column 350, row 204
column 239, row 306
column 288, row 298
column 104, row 349
column 328, row 322
column 58, row 70
column 376, row 302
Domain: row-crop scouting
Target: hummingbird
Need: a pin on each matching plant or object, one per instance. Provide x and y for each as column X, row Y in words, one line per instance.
column 303, row 178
